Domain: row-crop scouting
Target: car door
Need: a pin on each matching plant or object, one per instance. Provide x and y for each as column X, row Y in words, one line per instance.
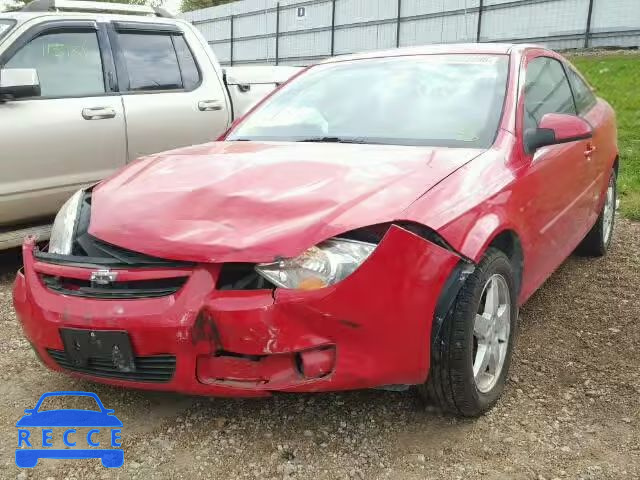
column 600, row 149
column 172, row 94
column 72, row 135
column 557, row 174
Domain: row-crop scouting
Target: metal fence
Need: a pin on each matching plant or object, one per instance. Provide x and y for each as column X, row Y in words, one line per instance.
column 294, row 32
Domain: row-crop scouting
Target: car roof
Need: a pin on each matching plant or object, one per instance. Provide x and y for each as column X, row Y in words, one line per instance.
column 434, row 49
column 97, row 16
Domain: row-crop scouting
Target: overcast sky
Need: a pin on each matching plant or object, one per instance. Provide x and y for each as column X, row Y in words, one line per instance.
column 171, row 5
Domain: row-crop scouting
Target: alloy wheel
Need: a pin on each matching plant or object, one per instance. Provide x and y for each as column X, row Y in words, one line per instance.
column 491, row 330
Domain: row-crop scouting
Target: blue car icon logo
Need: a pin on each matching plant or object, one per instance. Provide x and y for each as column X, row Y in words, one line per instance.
column 32, row 446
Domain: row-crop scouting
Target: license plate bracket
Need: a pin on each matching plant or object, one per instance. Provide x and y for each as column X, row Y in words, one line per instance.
column 83, row 347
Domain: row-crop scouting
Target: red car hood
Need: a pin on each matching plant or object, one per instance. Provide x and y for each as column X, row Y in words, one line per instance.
column 254, row 202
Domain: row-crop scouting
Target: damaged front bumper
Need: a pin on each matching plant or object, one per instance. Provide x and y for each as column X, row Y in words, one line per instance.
column 372, row 329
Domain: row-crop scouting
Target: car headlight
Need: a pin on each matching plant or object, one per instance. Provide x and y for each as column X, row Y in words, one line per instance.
column 64, row 225
column 325, row 264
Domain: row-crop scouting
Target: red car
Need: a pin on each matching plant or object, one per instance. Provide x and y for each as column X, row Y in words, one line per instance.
column 376, row 222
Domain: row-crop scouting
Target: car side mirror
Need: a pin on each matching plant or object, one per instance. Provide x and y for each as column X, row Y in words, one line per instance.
column 19, row 83
column 556, row 128
column 29, row 410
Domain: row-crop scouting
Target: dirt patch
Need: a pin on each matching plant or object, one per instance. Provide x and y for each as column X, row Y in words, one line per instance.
column 571, row 409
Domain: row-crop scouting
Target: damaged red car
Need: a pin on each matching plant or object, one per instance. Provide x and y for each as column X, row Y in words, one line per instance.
column 374, row 223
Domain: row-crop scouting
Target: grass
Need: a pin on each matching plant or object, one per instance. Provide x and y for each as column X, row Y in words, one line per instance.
column 615, row 78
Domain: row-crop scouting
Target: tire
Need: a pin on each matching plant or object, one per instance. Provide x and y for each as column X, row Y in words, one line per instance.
column 452, row 385
column 598, row 240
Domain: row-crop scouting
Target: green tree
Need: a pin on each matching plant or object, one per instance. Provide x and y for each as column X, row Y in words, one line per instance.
column 189, row 5
column 14, row 5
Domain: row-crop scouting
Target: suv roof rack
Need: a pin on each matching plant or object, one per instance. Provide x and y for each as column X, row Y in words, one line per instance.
column 96, row 7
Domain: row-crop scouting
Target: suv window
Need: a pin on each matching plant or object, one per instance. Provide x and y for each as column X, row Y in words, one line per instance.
column 68, row 63
column 158, row 61
column 188, row 67
column 585, row 99
column 546, row 91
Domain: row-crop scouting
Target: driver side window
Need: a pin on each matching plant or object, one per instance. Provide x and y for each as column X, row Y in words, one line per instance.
column 68, row 63
column 546, row 91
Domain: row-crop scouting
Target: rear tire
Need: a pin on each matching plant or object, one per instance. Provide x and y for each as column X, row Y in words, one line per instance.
column 598, row 240
column 471, row 334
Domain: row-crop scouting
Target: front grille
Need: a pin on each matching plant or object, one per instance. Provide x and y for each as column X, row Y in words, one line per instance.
column 116, row 290
column 157, row 368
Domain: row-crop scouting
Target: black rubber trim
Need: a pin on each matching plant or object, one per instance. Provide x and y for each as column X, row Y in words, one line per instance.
column 450, row 291
column 153, row 369
column 78, row 261
column 143, row 27
column 153, row 288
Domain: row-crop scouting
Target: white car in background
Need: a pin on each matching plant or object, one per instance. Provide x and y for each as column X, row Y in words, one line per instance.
column 87, row 87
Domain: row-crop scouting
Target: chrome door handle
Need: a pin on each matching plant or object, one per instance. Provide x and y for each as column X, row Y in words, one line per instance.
column 98, row 113
column 209, row 105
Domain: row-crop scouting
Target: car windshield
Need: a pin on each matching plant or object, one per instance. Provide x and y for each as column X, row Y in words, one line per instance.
column 5, row 26
column 434, row 100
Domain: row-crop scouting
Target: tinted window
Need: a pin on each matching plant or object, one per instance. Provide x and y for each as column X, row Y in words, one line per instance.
column 436, row 100
column 188, row 67
column 585, row 99
column 546, row 91
column 151, row 61
column 68, row 64
column 5, row 26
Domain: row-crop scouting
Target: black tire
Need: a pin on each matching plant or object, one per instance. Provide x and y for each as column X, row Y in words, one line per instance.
column 595, row 244
column 451, row 385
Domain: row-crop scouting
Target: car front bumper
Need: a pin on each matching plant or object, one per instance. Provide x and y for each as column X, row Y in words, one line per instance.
column 372, row 329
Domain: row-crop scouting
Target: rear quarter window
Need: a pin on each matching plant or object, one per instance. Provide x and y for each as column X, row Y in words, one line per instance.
column 585, row 99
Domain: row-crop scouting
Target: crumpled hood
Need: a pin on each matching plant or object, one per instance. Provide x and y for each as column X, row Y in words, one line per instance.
column 254, row 202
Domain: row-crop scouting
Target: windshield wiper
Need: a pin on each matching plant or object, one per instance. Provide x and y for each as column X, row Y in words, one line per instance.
column 335, row 140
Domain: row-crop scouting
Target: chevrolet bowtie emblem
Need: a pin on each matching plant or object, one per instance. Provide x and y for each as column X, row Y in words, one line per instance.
column 103, row 277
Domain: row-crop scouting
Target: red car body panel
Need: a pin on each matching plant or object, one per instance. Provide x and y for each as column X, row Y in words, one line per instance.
column 256, row 202
column 265, row 200
column 376, row 327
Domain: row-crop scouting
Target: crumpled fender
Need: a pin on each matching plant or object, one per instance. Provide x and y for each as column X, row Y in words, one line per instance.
column 474, row 204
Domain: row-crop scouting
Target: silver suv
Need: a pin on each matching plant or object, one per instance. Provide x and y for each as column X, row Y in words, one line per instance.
column 83, row 92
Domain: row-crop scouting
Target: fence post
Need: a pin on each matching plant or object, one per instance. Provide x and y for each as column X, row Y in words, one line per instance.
column 479, row 21
column 398, row 20
column 333, row 27
column 277, row 33
column 231, row 43
column 587, row 30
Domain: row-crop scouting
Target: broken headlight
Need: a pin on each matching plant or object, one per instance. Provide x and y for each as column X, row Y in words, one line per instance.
column 325, row 264
column 64, row 225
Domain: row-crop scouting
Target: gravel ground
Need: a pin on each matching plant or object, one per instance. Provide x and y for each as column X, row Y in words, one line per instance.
column 571, row 408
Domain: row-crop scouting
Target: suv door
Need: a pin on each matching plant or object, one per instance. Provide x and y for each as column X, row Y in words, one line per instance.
column 70, row 136
column 558, row 174
column 172, row 94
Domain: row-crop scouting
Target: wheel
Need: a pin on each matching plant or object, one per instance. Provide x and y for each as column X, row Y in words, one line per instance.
column 597, row 241
column 471, row 355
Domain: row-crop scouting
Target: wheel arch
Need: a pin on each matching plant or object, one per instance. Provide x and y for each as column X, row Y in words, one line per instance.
column 508, row 242
column 491, row 232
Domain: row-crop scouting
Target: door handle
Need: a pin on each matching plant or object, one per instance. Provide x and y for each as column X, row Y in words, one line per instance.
column 590, row 149
column 98, row 113
column 209, row 105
